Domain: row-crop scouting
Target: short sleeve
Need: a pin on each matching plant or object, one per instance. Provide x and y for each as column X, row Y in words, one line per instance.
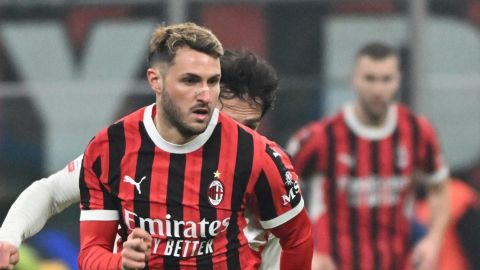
column 96, row 202
column 431, row 162
column 276, row 190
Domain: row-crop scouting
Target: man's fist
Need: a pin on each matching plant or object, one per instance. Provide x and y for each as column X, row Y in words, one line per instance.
column 136, row 250
column 8, row 256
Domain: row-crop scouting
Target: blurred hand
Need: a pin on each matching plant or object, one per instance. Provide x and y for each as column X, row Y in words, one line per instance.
column 425, row 254
column 8, row 256
column 136, row 250
column 323, row 262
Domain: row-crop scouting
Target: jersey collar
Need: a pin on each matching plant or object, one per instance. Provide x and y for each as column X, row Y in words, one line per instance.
column 367, row 132
column 169, row 147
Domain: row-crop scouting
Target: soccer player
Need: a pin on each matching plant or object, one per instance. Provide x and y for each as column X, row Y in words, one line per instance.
column 179, row 176
column 364, row 157
column 258, row 83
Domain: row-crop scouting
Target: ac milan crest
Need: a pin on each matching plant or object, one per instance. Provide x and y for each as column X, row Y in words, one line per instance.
column 215, row 190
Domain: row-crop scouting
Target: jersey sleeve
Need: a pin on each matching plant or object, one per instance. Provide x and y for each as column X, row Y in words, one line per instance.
column 276, row 191
column 96, row 201
column 431, row 162
column 304, row 147
column 41, row 200
column 99, row 215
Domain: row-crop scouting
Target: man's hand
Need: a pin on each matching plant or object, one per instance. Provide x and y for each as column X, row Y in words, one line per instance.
column 136, row 250
column 425, row 254
column 8, row 256
column 323, row 262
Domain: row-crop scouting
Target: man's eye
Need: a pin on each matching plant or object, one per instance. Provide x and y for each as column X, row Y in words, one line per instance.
column 369, row 78
column 189, row 80
column 387, row 78
column 213, row 81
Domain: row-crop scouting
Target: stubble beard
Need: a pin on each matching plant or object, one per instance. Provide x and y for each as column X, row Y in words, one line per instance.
column 174, row 116
column 374, row 116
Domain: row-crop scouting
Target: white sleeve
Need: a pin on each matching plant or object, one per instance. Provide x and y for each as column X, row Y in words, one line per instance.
column 41, row 200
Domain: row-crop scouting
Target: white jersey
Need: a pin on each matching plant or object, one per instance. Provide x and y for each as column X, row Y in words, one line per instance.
column 61, row 189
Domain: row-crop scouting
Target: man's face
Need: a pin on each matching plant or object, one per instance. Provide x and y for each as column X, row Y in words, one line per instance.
column 190, row 91
column 245, row 111
column 376, row 82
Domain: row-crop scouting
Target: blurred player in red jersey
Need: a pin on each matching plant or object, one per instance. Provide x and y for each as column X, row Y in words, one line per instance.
column 246, row 98
column 178, row 176
column 362, row 160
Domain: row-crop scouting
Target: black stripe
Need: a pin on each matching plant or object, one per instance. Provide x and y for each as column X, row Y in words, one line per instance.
column 243, row 169
column 145, row 157
column 146, row 154
column 84, row 194
column 374, row 210
column 310, row 166
column 352, row 143
column 430, row 159
column 263, row 193
column 175, row 187
column 116, row 151
column 397, row 171
column 211, row 155
column 332, row 201
column 108, row 202
column 283, row 171
column 415, row 139
column 97, row 167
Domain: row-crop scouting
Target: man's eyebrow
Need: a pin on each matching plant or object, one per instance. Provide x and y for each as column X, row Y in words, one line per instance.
column 191, row 75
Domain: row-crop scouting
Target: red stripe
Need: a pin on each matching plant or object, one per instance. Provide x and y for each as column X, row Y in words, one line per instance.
column 386, row 159
column 191, row 212
column 158, row 197
column 364, row 169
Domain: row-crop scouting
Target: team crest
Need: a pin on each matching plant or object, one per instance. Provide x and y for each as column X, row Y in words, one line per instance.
column 215, row 190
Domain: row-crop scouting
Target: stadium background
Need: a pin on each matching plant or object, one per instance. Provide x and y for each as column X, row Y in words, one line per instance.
column 70, row 67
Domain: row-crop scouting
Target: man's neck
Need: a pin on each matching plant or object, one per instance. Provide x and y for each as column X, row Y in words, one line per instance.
column 367, row 119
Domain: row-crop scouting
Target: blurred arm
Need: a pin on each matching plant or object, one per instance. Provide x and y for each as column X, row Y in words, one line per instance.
column 439, row 203
column 40, row 201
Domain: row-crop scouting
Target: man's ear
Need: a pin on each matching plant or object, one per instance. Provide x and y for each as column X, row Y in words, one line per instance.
column 155, row 79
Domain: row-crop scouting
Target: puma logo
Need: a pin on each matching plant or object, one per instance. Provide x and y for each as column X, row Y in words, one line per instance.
column 130, row 180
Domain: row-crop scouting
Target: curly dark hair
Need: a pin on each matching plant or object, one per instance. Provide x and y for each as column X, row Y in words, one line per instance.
column 247, row 76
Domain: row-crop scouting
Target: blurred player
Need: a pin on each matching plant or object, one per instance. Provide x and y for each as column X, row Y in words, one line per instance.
column 463, row 199
column 364, row 157
column 257, row 83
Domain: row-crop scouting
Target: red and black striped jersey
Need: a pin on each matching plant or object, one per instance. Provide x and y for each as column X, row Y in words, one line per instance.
column 191, row 198
column 360, row 205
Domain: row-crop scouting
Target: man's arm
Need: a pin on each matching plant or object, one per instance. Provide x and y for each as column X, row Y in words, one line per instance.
column 425, row 254
column 40, row 201
column 435, row 175
column 280, row 208
column 296, row 241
